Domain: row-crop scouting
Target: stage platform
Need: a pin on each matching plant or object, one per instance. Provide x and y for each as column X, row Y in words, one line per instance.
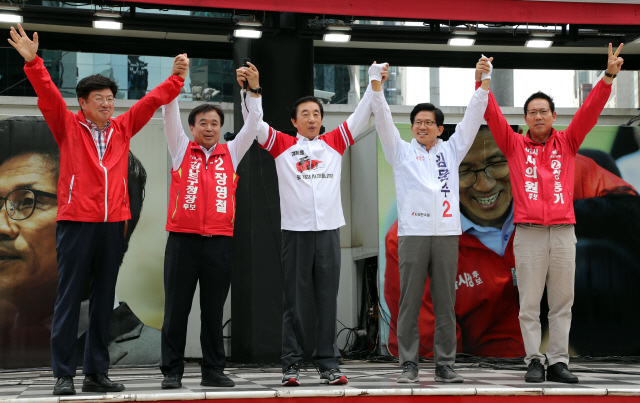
column 369, row 382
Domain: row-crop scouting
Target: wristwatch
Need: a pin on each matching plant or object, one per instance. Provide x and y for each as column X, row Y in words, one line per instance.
column 256, row 90
column 606, row 73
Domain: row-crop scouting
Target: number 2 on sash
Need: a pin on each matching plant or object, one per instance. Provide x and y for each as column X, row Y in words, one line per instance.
column 219, row 164
column 446, row 211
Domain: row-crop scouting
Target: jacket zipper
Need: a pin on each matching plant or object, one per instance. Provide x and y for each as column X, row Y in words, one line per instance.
column 71, row 188
column 204, row 179
column 106, row 179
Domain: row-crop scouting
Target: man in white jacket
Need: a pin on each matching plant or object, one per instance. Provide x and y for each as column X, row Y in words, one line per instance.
column 426, row 176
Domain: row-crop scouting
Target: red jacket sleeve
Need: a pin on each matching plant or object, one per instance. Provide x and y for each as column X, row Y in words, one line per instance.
column 590, row 179
column 142, row 111
column 339, row 139
column 278, row 142
column 50, row 101
column 587, row 115
column 500, row 129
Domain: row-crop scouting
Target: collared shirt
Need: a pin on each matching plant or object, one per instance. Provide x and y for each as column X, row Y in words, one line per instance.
column 493, row 238
column 99, row 136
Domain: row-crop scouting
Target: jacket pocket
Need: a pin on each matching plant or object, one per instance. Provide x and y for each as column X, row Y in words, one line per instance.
column 125, row 191
column 73, row 177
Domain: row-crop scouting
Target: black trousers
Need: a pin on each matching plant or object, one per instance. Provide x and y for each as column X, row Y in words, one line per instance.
column 311, row 261
column 92, row 251
column 190, row 258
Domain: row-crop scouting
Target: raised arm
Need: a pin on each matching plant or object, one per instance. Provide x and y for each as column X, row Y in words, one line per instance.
column 587, row 115
column 243, row 74
column 359, row 118
column 500, row 129
column 243, row 140
column 142, row 111
column 467, row 129
column 50, row 101
column 177, row 140
column 387, row 131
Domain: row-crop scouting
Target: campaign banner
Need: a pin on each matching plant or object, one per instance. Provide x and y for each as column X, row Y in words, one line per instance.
column 607, row 211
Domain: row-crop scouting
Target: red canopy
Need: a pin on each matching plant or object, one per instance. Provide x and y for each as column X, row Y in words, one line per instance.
column 611, row 12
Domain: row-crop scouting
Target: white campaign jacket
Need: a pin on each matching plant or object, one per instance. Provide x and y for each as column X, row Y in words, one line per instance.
column 427, row 181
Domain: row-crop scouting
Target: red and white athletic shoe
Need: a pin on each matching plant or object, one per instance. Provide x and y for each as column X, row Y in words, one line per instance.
column 333, row 377
column 291, row 376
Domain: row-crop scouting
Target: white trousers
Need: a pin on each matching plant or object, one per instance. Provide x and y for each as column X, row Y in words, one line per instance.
column 545, row 255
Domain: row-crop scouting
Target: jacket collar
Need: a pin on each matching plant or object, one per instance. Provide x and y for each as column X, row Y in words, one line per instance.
column 419, row 146
column 532, row 142
column 302, row 138
column 219, row 150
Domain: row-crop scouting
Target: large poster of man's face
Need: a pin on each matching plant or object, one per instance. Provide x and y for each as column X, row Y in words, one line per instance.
column 29, row 168
column 607, row 264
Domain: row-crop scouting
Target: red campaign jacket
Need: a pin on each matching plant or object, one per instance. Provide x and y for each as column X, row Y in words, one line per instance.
column 487, row 313
column 90, row 190
column 202, row 197
column 542, row 175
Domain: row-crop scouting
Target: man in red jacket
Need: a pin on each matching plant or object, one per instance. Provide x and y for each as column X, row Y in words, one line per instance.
column 93, row 207
column 541, row 165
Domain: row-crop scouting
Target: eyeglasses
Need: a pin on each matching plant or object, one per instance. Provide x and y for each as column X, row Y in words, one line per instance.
column 100, row 100
column 495, row 171
column 428, row 123
column 543, row 112
column 21, row 203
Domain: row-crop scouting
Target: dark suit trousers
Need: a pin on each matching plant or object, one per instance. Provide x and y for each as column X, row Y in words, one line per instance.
column 190, row 258
column 311, row 263
column 86, row 251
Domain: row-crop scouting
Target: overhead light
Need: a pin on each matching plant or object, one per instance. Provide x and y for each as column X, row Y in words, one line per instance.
column 102, row 24
column 461, row 42
column 107, row 19
column 465, row 31
column 248, row 29
column 10, row 16
column 537, row 43
column 337, row 32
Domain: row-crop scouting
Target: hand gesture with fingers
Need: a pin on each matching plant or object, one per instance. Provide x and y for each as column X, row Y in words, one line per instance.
column 23, row 44
column 483, row 66
column 385, row 73
column 249, row 74
column 180, row 66
column 615, row 62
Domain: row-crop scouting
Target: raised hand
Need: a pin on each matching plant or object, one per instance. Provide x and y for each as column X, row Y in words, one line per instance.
column 375, row 71
column 385, row 72
column 615, row 63
column 483, row 67
column 180, row 66
column 249, row 74
column 27, row 47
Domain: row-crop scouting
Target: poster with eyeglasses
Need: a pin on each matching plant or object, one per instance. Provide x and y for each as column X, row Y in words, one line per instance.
column 29, row 168
column 607, row 210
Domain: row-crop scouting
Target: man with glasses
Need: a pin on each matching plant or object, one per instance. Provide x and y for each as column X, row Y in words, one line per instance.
column 93, row 207
column 428, row 221
column 542, row 166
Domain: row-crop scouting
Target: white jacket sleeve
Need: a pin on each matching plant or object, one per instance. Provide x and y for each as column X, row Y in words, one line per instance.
column 387, row 131
column 177, row 140
column 262, row 128
column 360, row 117
column 466, row 131
column 243, row 140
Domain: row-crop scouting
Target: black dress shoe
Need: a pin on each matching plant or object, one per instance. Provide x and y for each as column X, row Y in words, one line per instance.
column 172, row 381
column 559, row 372
column 64, row 386
column 215, row 377
column 535, row 373
column 100, row 383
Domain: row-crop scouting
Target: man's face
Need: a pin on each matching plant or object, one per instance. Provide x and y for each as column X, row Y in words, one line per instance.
column 28, row 265
column 206, row 131
column 308, row 120
column 486, row 203
column 98, row 107
column 539, row 125
column 425, row 129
